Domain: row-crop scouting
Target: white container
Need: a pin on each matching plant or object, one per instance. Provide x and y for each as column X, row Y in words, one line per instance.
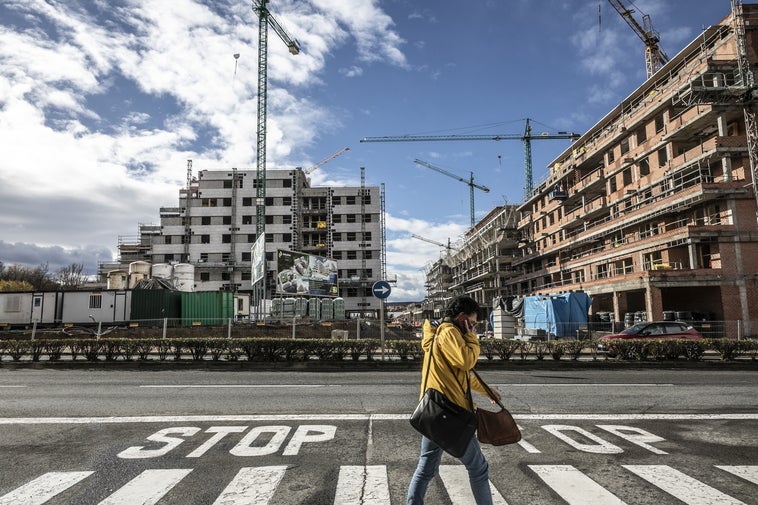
column 138, row 270
column 184, row 277
column 504, row 324
column 163, row 271
column 139, row 267
column 118, row 279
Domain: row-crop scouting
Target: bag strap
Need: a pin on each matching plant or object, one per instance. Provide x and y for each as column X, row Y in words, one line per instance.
column 490, row 393
column 429, row 363
column 467, row 390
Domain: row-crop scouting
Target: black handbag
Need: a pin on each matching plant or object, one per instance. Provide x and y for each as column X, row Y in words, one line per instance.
column 495, row 428
column 445, row 423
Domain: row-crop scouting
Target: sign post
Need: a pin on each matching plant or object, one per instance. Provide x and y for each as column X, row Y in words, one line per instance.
column 381, row 290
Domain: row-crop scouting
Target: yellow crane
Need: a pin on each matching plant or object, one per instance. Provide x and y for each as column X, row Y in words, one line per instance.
column 655, row 58
column 469, row 182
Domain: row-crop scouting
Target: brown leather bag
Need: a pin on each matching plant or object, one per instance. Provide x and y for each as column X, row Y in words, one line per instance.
column 495, row 428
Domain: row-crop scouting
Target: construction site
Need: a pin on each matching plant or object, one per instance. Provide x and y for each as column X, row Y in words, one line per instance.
column 653, row 211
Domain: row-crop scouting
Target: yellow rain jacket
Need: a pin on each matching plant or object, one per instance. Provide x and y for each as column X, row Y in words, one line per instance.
column 461, row 351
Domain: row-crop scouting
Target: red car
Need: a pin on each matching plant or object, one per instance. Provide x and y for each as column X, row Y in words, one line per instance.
column 656, row 330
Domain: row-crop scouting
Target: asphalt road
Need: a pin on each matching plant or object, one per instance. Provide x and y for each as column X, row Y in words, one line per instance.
column 644, row 437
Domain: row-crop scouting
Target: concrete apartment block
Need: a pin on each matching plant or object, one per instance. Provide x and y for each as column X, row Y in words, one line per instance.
column 214, row 227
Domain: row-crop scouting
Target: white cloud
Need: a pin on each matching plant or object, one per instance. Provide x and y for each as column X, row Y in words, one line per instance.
column 353, row 71
column 408, row 257
column 371, row 28
column 102, row 105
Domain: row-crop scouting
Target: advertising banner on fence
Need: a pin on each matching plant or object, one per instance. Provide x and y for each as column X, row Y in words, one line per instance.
column 305, row 274
column 258, row 258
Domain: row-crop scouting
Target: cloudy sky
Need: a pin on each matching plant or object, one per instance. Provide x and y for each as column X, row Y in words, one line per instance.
column 102, row 102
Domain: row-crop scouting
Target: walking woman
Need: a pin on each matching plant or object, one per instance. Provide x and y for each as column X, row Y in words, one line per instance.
column 457, row 342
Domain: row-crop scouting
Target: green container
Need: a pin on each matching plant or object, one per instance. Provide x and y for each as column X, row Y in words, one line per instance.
column 207, row 308
column 154, row 304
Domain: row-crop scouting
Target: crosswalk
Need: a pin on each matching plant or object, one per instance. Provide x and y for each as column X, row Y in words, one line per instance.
column 369, row 485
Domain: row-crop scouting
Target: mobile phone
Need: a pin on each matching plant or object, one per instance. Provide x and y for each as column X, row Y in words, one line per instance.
column 460, row 320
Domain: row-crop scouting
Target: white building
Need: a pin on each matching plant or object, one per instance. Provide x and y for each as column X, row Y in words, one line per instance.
column 214, row 227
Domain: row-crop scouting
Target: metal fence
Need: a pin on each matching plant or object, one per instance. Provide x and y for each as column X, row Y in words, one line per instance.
column 549, row 330
column 351, row 329
column 218, row 328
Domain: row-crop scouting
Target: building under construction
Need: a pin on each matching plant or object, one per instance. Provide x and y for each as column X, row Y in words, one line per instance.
column 214, row 227
column 653, row 209
column 480, row 266
column 653, row 212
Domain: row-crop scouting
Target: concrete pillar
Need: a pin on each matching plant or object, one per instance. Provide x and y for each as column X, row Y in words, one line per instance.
column 726, row 161
column 654, row 303
column 694, row 259
column 616, row 307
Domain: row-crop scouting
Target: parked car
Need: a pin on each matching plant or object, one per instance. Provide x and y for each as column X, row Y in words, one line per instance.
column 653, row 330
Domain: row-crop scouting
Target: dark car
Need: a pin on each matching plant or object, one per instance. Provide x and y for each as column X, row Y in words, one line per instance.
column 654, row 330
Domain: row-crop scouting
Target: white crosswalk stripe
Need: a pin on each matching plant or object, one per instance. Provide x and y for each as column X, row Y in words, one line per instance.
column 362, row 485
column 44, row 487
column 682, row 486
column 749, row 473
column 455, row 479
column 252, row 486
column 147, row 488
column 574, row 486
column 368, row 485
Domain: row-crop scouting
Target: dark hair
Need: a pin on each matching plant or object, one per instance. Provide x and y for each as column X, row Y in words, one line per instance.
column 464, row 304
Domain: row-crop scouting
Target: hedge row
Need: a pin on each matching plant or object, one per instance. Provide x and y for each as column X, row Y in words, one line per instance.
column 277, row 349
column 252, row 349
column 693, row 350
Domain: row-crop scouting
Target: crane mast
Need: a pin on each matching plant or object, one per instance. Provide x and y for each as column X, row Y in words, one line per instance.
column 655, row 58
column 526, row 138
column 264, row 21
column 469, row 182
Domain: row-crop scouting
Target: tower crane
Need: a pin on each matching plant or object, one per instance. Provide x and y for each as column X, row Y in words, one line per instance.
column 446, row 246
column 470, row 182
column 265, row 19
column 325, row 160
column 655, row 58
column 526, row 138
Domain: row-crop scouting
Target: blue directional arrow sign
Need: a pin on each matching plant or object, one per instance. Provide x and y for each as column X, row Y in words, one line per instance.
column 381, row 289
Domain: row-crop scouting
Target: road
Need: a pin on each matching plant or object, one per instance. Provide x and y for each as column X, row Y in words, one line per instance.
column 637, row 437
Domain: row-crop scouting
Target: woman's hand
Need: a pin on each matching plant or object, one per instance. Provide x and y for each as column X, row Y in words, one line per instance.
column 468, row 325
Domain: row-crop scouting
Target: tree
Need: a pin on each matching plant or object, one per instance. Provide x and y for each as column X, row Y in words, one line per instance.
column 72, row 276
column 6, row 286
column 39, row 277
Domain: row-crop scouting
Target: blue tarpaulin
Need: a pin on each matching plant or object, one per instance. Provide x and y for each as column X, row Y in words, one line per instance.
column 559, row 315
